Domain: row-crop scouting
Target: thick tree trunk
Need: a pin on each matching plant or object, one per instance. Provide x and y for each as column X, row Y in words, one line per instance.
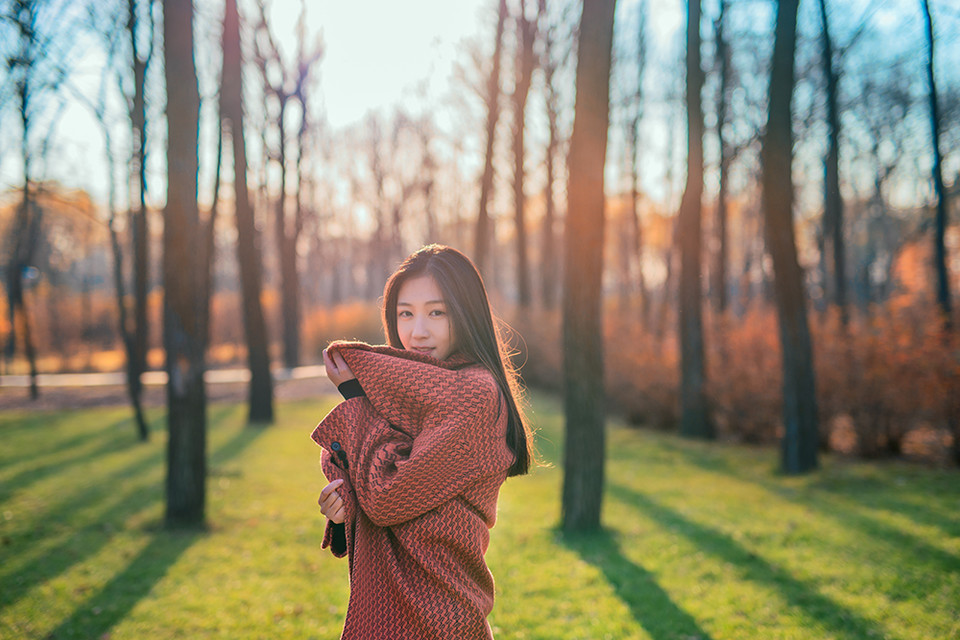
column 182, row 260
column 694, row 416
column 833, row 202
column 940, row 227
column 584, row 449
column 248, row 250
column 799, row 398
column 483, row 231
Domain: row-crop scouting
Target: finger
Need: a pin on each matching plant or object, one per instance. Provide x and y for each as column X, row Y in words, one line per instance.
column 339, row 361
column 328, row 361
column 331, row 506
column 325, row 506
column 327, row 501
column 330, row 488
column 340, row 515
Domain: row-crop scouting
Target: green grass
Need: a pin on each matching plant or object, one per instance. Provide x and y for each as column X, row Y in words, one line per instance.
column 701, row 540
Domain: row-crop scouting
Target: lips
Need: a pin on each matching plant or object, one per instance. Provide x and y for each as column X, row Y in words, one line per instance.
column 424, row 350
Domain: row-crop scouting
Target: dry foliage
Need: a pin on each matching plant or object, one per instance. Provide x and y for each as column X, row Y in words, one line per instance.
column 887, row 385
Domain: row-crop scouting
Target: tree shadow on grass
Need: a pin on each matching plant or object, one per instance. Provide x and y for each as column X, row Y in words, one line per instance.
column 649, row 604
column 833, row 500
column 51, row 462
column 122, row 494
column 837, row 619
column 119, row 596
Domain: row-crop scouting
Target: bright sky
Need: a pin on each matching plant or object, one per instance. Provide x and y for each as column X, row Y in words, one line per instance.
column 378, row 53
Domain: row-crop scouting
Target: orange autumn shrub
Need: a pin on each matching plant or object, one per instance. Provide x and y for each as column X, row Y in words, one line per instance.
column 744, row 376
column 890, row 373
column 887, row 376
column 642, row 374
column 640, row 370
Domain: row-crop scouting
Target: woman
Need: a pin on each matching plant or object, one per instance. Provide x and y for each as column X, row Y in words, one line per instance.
column 429, row 429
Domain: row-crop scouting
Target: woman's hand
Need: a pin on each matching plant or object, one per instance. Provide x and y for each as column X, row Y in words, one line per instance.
column 337, row 369
column 331, row 504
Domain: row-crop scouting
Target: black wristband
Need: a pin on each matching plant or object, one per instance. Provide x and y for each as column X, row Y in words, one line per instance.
column 339, row 542
column 350, row 389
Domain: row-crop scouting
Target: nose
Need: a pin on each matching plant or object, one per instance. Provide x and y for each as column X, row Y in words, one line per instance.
column 420, row 327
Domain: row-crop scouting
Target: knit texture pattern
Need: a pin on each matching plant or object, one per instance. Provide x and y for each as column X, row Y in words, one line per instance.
column 426, row 454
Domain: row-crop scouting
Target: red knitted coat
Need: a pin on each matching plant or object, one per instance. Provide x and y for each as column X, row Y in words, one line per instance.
column 425, row 454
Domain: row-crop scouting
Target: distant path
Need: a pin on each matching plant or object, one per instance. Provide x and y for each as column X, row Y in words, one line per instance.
column 79, row 390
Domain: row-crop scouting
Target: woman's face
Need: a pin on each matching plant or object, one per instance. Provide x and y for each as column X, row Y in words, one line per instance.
column 422, row 319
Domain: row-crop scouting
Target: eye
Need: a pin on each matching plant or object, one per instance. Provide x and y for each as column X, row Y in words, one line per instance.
column 404, row 314
column 438, row 313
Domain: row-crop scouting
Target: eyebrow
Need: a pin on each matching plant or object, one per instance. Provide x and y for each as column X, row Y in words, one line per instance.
column 410, row 304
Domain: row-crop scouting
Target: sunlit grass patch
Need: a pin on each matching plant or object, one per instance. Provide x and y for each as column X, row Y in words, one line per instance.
column 701, row 540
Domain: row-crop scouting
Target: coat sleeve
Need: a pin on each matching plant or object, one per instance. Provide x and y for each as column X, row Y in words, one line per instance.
column 333, row 471
column 396, row 477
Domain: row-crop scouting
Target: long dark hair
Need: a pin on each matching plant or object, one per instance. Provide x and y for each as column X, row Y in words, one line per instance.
column 475, row 333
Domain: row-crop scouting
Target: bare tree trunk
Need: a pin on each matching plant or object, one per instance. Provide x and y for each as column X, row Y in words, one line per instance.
column 133, row 381
column 26, row 225
column 483, row 232
column 940, row 251
column 526, row 35
column 286, row 253
column 549, row 262
column 127, row 336
column 633, row 143
column 695, row 418
column 182, row 260
column 833, row 202
column 800, row 439
column 139, row 224
column 720, row 266
column 582, row 322
column 208, row 246
column 248, row 250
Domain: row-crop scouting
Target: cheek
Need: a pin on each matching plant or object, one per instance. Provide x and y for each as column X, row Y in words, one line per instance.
column 404, row 332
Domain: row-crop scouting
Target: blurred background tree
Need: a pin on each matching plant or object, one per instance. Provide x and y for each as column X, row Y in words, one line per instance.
column 826, row 240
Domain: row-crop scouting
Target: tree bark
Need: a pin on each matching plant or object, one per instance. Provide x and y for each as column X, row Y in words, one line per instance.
column 139, row 224
column 633, row 143
column 720, row 266
column 286, row 252
column 483, row 232
column 833, row 202
column 695, row 419
column 799, row 397
column 127, row 336
column 248, row 251
column 940, row 226
column 182, row 259
column 584, row 448
column 526, row 35
column 26, row 225
column 549, row 262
